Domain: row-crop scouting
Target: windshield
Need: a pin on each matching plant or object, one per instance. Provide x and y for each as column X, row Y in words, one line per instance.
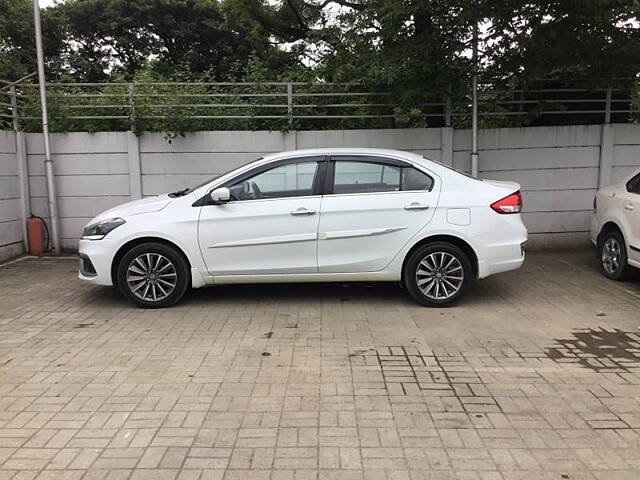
column 187, row 190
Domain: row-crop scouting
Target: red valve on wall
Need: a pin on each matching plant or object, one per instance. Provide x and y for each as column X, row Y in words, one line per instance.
column 35, row 233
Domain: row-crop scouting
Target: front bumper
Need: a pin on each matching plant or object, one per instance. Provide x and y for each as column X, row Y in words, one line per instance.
column 99, row 255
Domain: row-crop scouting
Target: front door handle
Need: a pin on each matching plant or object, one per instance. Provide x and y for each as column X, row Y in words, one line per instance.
column 629, row 206
column 303, row 211
column 416, row 206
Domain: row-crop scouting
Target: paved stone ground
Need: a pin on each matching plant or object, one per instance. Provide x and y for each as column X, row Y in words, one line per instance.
column 535, row 375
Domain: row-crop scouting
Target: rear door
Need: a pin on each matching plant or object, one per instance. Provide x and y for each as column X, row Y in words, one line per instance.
column 372, row 206
column 631, row 216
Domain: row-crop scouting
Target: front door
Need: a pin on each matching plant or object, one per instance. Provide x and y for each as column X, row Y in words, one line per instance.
column 631, row 215
column 270, row 224
column 373, row 207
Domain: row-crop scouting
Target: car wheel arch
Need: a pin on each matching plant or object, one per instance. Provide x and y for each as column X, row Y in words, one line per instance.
column 608, row 227
column 452, row 239
column 137, row 241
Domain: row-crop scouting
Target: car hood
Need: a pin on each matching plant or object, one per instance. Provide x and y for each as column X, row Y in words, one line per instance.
column 136, row 207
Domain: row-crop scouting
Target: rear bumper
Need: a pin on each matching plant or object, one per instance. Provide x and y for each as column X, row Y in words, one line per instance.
column 502, row 249
column 511, row 257
column 99, row 255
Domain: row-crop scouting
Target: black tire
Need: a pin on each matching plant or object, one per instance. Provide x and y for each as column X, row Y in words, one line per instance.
column 157, row 277
column 437, row 255
column 612, row 256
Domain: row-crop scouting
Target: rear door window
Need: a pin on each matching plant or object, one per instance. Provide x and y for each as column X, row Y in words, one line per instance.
column 365, row 177
column 362, row 176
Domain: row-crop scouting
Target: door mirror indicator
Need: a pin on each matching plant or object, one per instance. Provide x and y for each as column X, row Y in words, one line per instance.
column 220, row 195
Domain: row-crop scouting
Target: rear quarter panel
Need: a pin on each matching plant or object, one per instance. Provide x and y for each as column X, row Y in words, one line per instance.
column 496, row 239
column 610, row 205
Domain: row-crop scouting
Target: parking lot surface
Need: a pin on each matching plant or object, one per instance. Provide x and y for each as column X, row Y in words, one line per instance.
column 534, row 375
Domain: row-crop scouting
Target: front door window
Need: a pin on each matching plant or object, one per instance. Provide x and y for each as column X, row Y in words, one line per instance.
column 289, row 180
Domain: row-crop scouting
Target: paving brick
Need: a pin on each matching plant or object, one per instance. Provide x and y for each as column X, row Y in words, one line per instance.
column 359, row 383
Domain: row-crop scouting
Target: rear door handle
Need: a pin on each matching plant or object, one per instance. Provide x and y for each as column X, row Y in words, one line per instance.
column 303, row 211
column 416, row 206
column 629, row 206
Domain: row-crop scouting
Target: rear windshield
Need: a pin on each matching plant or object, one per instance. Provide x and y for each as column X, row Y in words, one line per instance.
column 449, row 167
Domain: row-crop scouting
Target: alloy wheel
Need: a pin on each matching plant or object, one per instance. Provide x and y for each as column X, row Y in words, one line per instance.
column 611, row 256
column 151, row 277
column 439, row 275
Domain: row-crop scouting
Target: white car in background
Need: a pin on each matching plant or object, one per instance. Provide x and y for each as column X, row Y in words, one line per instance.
column 615, row 228
column 326, row 215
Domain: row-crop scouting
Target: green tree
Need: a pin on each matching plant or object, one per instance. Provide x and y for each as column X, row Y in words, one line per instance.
column 592, row 39
column 421, row 48
column 415, row 47
column 119, row 36
column 17, row 39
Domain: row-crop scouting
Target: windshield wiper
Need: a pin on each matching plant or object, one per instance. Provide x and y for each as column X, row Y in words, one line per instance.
column 179, row 193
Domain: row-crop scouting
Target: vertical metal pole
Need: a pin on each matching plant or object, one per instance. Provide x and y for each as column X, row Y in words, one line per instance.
column 290, row 104
column 474, row 111
column 48, row 163
column 14, row 108
column 607, row 106
column 23, row 173
column 447, row 111
column 132, row 108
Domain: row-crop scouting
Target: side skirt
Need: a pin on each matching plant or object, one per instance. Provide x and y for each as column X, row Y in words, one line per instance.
column 383, row 276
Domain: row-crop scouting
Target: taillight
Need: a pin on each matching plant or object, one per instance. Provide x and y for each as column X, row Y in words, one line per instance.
column 595, row 204
column 509, row 204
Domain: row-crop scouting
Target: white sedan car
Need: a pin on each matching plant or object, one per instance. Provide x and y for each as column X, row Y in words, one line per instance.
column 615, row 228
column 326, row 215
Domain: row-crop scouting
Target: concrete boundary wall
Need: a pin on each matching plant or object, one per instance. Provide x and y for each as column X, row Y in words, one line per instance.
column 559, row 168
column 92, row 175
column 199, row 156
column 11, row 231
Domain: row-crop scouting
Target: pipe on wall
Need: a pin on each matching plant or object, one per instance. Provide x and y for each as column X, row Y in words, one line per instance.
column 48, row 162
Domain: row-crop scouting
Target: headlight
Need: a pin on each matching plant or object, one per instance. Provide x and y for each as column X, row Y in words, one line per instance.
column 97, row 231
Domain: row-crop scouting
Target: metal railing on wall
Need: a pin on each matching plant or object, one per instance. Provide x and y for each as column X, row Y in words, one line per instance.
column 297, row 105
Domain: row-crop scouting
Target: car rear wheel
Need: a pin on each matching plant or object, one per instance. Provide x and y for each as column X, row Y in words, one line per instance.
column 613, row 256
column 153, row 275
column 437, row 274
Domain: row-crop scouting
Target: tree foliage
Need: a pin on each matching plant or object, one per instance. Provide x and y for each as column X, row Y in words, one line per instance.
column 597, row 39
column 409, row 45
column 419, row 50
column 167, row 34
column 97, row 40
column 419, row 46
column 17, row 40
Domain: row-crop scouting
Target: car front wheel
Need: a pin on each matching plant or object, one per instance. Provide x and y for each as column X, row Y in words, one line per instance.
column 437, row 274
column 613, row 256
column 153, row 275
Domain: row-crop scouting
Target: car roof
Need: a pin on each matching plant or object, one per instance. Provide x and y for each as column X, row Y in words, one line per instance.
column 412, row 157
column 415, row 158
column 346, row 151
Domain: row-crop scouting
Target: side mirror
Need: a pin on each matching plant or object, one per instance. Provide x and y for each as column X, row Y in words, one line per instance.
column 220, row 195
